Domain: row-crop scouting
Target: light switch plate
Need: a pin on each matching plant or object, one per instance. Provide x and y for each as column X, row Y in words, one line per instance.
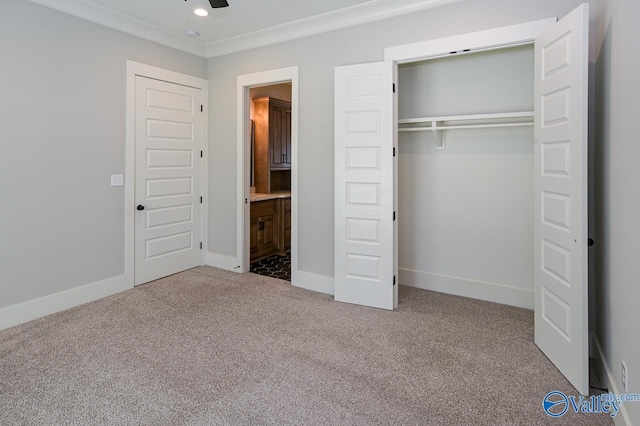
column 117, row 180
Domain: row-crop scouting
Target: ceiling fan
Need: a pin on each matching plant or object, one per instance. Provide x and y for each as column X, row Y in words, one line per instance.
column 216, row 4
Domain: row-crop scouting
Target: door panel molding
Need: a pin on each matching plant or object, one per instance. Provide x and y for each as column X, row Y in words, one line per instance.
column 136, row 69
column 560, row 202
column 365, row 185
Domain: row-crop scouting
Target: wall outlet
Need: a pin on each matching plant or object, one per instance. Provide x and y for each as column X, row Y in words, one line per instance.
column 625, row 379
column 117, row 180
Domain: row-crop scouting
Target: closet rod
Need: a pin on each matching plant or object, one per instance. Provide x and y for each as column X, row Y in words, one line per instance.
column 465, row 126
column 495, row 116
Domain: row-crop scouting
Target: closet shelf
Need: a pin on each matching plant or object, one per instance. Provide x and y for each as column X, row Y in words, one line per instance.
column 465, row 126
column 494, row 116
column 456, row 122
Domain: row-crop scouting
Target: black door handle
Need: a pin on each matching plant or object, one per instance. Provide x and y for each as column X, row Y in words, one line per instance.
column 591, row 242
column 140, row 207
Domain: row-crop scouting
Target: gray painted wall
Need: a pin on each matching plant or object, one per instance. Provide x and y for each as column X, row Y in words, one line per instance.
column 617, row 202
column 62, row 129
column 316, row 58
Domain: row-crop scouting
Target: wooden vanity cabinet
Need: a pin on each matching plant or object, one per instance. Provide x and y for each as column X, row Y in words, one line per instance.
column 272, row 137
column 284, row 213
column 270, row 228
column 263, row 229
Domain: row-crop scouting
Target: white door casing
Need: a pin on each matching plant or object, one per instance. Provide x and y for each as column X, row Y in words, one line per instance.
column 168, row 165
column 241, row 263
column 364, row 184
column 560, row 188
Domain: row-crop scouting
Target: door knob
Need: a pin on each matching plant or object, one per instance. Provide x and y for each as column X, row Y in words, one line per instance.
column 140, row 207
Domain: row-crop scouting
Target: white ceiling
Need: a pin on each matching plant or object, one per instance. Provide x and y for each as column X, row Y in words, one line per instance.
column 242, row 16
column 243, row 25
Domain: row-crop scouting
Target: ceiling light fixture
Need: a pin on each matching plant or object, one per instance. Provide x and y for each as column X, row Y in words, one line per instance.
column 193, row 33
column 201, row 12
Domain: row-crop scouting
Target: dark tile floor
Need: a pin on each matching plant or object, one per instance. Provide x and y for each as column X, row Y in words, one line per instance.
column 275, row 266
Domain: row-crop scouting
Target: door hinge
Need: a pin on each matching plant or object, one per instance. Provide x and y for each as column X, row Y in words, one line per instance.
column 394, row 216
column 394, row 280
column 394, row 151
column 200, row 200
column 201, row 154
column 201, row 108
column 201, row 246
column 394, row 88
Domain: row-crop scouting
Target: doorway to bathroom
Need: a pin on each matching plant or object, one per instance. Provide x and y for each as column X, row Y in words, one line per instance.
column 268, row 139
column 270, row 180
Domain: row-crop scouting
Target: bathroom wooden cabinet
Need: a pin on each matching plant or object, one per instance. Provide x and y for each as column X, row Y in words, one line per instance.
column 280, row 134
column 270, row 228
column 263, row 229
column 284, row 213
column 272, row 156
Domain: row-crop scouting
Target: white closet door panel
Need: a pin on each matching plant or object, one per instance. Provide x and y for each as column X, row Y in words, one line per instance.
column 560, row 228
column 364, row 126
column 168, row 178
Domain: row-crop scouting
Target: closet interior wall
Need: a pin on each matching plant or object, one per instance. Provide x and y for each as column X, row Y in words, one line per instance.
column 466, row 212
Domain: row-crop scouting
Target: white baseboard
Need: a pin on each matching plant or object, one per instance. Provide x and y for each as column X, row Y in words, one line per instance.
column 622, row 419
column 490, row 292
column 229, row 263
column 313, row 282
column 13, row 315
column 306, row 280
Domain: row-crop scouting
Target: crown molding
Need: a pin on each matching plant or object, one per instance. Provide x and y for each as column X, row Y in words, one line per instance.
column 121, row 22
column 375, row 10
column 371, row 11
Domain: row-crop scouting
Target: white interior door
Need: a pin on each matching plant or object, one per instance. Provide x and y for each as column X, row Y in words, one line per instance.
column 560, row 228
column 168, row 132
column 364, row 184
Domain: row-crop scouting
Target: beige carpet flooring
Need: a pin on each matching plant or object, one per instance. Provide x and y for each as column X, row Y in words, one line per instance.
column 210, row 347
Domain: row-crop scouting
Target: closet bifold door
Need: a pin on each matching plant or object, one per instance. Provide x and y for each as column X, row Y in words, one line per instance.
column 364, row 184
column 560, row 191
